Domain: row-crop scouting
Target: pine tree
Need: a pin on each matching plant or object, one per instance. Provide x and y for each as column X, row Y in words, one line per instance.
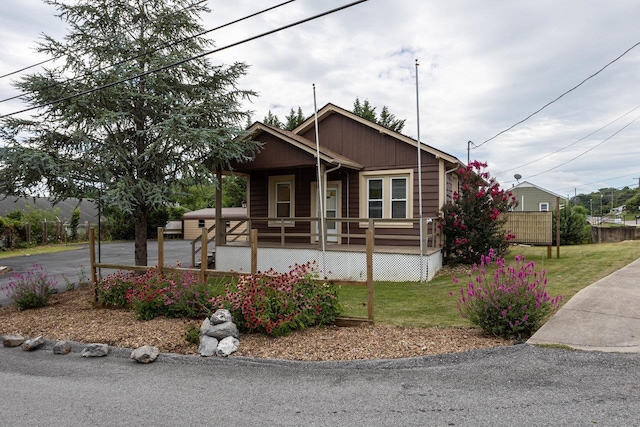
column 294, row 119
column 386, row 119
column 272, row 119
column 133, row 139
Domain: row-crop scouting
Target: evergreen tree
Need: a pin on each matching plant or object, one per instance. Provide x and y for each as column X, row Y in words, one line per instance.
column 133, row 139
column 389, row 120
column 294, row 119
column 386, row 119
column 365, row 110
column 272, row 119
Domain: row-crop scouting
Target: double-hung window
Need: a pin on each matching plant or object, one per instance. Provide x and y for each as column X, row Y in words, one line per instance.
column 399, row 197
column 375, row 203
column 282, row 198
column 386, row 194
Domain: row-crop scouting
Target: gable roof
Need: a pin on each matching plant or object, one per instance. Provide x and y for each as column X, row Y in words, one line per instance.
column 527, row 184
column 304, row 144
column 329, row 109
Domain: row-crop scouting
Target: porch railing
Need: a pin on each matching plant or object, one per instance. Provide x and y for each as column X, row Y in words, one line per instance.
column 284, row 230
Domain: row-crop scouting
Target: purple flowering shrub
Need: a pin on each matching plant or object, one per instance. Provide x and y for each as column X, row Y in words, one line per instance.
column 32, row 289
column 512, row 302
column 276, row 304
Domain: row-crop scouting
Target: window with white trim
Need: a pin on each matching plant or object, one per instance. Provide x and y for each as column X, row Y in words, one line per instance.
column 375, row 187
column 399, row 197
column 544, row 206
column 282, row 196
column 386, row 194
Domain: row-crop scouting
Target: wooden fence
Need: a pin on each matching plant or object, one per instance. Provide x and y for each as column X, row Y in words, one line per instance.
column 204, row 272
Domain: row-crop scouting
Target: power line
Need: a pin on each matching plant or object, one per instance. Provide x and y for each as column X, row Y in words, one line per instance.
column 160, row 47
column 25, row 68
column 201, row 55
column 596, row 182
column 551, row 102
column 585, row 152
column 570, row 145
column 52, row 59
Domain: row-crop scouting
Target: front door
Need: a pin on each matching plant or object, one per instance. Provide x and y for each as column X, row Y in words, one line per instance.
column 332, row 210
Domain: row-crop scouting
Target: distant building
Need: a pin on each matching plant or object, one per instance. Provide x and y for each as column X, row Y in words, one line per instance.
column 532, row 198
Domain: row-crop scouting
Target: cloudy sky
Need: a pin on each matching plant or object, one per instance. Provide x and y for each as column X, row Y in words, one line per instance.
column 484, row 66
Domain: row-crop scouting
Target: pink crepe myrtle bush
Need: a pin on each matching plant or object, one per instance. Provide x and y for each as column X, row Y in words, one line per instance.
column 32, row 289
column 473, row 222
column 511, row 302
column 276, row 304
column 153, row 294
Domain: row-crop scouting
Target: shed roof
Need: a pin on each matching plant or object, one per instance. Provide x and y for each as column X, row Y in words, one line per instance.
column 209, row 213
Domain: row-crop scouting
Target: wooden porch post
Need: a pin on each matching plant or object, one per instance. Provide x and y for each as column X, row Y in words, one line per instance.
column 160, row 249
column 92, row 262
column 370, row 274
column 220, row 228
column 204, row 254
column 254, row 250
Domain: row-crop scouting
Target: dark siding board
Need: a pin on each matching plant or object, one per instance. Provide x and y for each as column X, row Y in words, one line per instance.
column 276, row 153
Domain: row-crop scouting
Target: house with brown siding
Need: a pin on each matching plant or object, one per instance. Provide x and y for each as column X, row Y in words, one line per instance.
column 368, row 179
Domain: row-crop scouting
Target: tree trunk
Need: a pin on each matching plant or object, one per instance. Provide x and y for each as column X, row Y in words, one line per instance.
column 141, row 237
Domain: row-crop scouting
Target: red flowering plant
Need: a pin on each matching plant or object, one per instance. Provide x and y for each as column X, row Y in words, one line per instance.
column 472, row 223
column 276, row 304
column 152, row 294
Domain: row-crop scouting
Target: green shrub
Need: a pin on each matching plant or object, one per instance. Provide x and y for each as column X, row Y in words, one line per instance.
column 276, row 304
column 32, row 289
column 511, row 303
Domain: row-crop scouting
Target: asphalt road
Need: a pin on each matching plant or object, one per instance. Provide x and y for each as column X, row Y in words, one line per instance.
column 511, row 386
column 74, row 265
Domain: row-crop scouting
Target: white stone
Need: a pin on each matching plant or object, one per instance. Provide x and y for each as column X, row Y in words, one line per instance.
column 145, row 354
column 33, row 343
column 208, row 346
column 227, row 346
column 221, row 316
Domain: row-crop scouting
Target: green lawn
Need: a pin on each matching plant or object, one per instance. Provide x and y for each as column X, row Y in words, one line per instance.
column 36, row 250
column 430, row 304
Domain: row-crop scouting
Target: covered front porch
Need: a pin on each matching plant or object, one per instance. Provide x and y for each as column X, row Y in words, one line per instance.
column 341, row 257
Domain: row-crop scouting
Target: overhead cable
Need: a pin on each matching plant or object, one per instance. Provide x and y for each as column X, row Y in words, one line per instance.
column 556, row 99
column 160, row 47
column 201, row 55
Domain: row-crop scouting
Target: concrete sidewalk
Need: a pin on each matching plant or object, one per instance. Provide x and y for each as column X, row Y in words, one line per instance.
column 604, row 316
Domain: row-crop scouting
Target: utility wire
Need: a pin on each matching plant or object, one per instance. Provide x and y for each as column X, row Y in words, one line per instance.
column 160, row 47
column 590, row 149
column 570, row 145
column 551, row 102
column 52, row 59
column 201, row 55
column 25, row 68
column 596, row 182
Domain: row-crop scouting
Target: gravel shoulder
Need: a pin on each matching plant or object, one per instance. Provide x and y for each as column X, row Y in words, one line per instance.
column 72, row 316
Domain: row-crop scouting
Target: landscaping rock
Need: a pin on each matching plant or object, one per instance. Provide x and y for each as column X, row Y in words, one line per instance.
column 227, row 346
column 62, row 347
column 12, row 340
column 145, row 354
column 221, row 316
column 208, row 346
column 95, row 350
column 206, row 324
column 33, row 343
column 221, row 331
